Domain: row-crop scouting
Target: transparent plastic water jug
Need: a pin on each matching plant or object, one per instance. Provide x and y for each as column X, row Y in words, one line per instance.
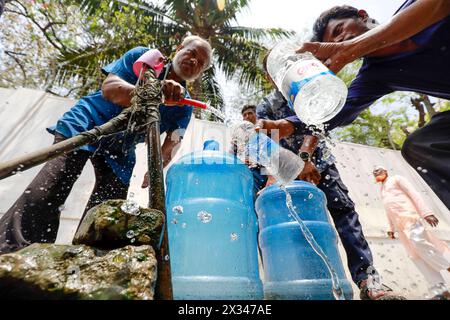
column 279, row 162
column 314, row 93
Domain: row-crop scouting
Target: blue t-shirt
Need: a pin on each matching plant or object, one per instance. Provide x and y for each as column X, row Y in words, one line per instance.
column 425, row 70
column 94, row 110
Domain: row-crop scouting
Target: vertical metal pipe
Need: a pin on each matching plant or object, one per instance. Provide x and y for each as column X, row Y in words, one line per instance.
column 157, row 200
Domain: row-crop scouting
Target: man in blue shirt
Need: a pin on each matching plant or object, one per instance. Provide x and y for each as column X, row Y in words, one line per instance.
column 34, row 217
column 411, row 52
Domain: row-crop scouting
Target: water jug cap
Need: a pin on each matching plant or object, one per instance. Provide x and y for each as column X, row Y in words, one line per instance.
column 211, row 145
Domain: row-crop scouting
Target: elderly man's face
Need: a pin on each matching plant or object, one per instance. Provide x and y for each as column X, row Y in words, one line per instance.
column 190, row 61
column 249, row 115
column 339, row 30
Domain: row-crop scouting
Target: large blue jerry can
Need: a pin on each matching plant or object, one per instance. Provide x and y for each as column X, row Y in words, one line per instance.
column 292, row 270
column 212, row 228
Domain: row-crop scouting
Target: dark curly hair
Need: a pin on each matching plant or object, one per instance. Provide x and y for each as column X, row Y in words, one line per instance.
column 247, row 107
column 337, row 12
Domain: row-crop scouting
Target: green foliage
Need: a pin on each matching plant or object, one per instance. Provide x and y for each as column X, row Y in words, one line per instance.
column 390, row 127
column 64, row 43
column 384, row 130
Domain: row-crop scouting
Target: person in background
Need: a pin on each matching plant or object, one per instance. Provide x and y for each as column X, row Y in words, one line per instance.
column 411, row 52
column 405, row 210
column 275, row 116
column 249, row 113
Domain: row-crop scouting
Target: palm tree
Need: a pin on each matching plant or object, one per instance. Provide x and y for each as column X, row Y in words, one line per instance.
column 237, row 50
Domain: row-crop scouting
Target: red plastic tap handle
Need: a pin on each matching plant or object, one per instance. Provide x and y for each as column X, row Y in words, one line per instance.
column 194, row 103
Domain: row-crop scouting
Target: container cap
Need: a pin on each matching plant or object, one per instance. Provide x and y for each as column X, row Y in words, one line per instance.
column 211, row 145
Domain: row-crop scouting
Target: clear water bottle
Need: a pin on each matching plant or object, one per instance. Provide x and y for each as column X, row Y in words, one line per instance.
column 279, row 162
column 314, row 93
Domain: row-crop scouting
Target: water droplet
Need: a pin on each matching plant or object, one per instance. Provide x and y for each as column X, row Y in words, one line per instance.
column 242, row 226
column 73, row 270
column 130, row 207
column 49, row 229
column 166, row 257
column 204, row 216
column 310, row 196
column 196, row 181
column 178, row 210
column 233, row 236
column 174, row 221
column 41, row 188
column 373, row 278
column 27, row 191
column 419, row 168
column 336, row 200
column 424, row 171
column 184, row 225
column 431, row 251
column 130, row 234
column 61, row 207
column 132, row 240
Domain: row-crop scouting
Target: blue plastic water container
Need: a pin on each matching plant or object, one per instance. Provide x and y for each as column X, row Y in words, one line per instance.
column 292, row 270
column 212, row 228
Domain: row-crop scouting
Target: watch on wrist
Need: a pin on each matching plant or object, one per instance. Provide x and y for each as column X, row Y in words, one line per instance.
column 305, row 156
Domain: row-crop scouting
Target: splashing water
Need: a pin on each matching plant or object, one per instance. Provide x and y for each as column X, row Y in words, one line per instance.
column 438, row 289
column 216, row 112
column 338, row 293
column 204, row 216
column 130, row 207
column 73, row 270
column 178, row 210
column 233, row 236
column 373, row 279
column 130, row 234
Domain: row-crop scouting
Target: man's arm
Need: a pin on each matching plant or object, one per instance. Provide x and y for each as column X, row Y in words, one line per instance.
column 422, row 209
column 171, row 144
column 310, row 172
column 120, row 92
column 117, row 90
column 410, row 21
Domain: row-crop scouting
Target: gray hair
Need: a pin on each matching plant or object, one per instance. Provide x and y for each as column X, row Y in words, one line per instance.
column 204, row 43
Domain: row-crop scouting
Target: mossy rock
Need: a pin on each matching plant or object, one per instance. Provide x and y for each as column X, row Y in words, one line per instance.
column 108, row 226
column 48, row 271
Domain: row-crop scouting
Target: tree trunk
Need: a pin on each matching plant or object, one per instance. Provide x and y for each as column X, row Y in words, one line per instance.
column 417, row 103
column 391, row 142
column 197, row 94
column 405, row 130
column 2, row 6
column 428, row 105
